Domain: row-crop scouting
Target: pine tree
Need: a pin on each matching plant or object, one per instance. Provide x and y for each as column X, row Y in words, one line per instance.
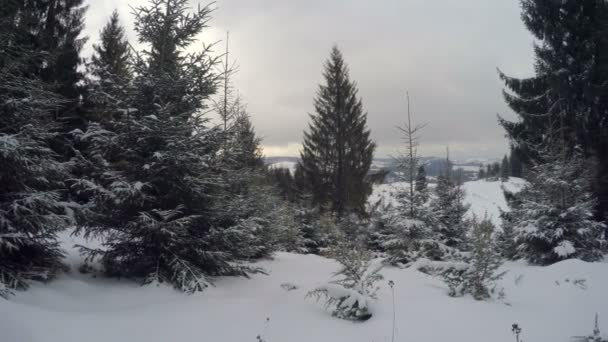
column 569, row 85
column 165, row 206
column 505, row 239
column 111, row 56
column 449, row 208
column 351, row 293
column 479, row 274
column 516, row 164
column 337, row 150
column 283, row 180
column 485, row 259
column 505, row 169
column 110, row 69
column 31, row 179
column 552, row 216
column 246, row 141
column 481, row 174
column 421, row 182
column 53, row 28
column 406, row 230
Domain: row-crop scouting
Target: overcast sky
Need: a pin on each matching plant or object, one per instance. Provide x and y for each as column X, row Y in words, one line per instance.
column 445, row 52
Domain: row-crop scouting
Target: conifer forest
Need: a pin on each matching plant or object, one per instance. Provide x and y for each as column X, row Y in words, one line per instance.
column 285, row 171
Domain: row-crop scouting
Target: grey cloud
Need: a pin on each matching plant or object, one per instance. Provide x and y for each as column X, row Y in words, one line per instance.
column 444, row 52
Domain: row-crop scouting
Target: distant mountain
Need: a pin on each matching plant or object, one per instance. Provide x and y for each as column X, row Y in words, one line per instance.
column 433, row 165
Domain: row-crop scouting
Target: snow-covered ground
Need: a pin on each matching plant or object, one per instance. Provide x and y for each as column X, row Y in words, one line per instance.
column 290, row 165
column 551, row 304
column 488, row 197
column 485, row 197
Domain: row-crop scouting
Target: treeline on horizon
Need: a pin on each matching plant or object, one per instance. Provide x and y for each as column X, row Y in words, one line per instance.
column 122, row 146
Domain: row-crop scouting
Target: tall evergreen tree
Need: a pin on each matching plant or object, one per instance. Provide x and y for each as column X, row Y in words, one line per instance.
column 569, row 86
column 165, row 206
column 111, row 55
column 53, row 28
column 505, row 169
column 337, row 150
column 516, row 164
column 406, row 231
column 31, row 179
column 110, row 70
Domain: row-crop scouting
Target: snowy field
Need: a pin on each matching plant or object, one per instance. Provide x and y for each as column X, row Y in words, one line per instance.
column 551, row 304
column 483, row 196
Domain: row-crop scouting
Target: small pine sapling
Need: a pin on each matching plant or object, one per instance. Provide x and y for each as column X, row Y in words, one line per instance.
column 349, row 295
column 479, row 277
column 516, row 329
column 597, row 335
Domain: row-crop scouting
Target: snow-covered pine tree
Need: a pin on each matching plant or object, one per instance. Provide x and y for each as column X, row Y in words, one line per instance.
column 252, row 203
column 485, row 259
column 32, row 210
column 158, row 204
column 337, row 149
column 479, row 274
column 516, row 164
column 349, row 296
column 53, row 28
column 407, row 227
column 449, row 208
column 421, row 183
column 505, row 169
column 505, row 239
column 570, row 69
column 110, row 70
column 553, row 219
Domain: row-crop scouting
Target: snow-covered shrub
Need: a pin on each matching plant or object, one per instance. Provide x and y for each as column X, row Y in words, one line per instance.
column 349, row 296
column 480, row 275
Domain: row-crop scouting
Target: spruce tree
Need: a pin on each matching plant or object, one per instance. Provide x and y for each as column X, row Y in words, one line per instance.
column 31, row 179
column 481, row 174
column 110, row 70
column 569, row 85
column 111, row 55
column 406, row 230
column 553, row 215
column 505, row 169
column 484, row 260
column 516, row 164
column 165, row 204
column 421, row 182
column 449, row 208
column 53, row 28
column 337, row 149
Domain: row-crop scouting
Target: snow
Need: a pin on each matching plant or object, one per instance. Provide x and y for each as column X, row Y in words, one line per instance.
column 551, row 304
column 564, row 249
column 290, row 165
column 485, row 197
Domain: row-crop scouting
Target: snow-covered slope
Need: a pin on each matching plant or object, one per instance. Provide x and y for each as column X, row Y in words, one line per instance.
column 551, row 304
column 290, row 165
column 485, row 197
column 488, row 197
